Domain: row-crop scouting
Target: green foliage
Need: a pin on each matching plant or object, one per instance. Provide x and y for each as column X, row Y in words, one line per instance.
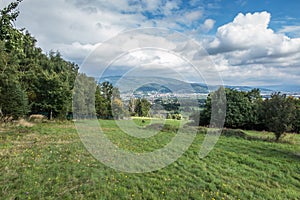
column 242, row 108
column 278, row 114
column 13, row 101
column 174, row 116
column 106, row 91
column 12, row 37
column 92, row 100
column 170, row 104
column 296, row 120
column 132, row 106
column 103, row 101
column 247, row 110
column 53, row 87
column 214, row 110
column 254, row 120
column 46, row 80
column 108, row 103
column 142, row 107
column 238, row 109
column 118, row 110
column 85, row 97
column 99, row 102
column 139, row 107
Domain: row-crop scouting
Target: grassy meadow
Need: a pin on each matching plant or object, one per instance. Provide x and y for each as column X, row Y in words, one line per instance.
column 49, row 161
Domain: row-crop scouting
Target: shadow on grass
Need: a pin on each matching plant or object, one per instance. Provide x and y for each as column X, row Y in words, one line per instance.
column 269, row 151
column 238, row 133
column 163, row 127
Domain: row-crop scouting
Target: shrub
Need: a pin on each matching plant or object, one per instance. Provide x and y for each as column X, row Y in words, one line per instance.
column 234, row 133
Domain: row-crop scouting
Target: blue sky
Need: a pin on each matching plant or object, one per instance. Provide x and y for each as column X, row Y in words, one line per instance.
column 251, row 42
column 284, row 13
column 223, row 11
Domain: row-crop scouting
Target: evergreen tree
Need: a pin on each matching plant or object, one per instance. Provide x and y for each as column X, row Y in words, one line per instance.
column 142, row 107
column 47, row 81
column 13, row 101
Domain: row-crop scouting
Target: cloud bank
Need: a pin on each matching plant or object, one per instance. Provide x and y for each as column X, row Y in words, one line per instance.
column 247, row 47
column 246, row 51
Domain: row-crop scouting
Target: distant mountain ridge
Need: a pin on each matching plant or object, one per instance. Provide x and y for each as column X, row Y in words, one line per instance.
column 158, row 84
column 168, row 85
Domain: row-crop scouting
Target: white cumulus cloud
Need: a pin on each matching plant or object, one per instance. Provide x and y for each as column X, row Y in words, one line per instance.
column 247, row 48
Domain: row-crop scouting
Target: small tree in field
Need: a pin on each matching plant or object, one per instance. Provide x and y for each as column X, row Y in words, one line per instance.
column 278, row 114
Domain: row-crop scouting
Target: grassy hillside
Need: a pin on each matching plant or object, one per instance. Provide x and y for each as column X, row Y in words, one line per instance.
column 49, row 161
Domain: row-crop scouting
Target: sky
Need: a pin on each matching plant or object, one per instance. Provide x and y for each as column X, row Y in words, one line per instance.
column 249, row 42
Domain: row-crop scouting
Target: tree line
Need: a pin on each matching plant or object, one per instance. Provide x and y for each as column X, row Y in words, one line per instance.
column 248, row 110
column 102, row 100
column 30, row 80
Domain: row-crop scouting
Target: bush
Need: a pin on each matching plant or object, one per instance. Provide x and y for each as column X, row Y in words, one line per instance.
column 163, row 127
column 234, row 133
column 174, row 116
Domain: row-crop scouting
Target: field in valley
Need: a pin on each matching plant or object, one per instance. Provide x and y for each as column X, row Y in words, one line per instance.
column 49, row 161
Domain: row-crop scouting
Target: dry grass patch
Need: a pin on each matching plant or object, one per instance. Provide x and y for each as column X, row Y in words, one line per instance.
column 23, row 122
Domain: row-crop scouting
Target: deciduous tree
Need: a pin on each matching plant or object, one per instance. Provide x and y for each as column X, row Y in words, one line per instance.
column 278, row 114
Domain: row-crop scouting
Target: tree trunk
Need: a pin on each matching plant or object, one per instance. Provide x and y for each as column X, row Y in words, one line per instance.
column 50, row 115
column 277, row 135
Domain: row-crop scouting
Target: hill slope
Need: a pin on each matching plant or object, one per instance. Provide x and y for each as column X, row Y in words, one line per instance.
column 165, row 85
column 49, row 161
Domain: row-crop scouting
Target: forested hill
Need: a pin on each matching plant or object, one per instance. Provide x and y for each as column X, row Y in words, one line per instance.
column 158, row 84
column 31, row 81
column 165, row 85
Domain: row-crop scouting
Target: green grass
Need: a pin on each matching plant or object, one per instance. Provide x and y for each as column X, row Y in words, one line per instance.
column 269, row 136
column 48, row 161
